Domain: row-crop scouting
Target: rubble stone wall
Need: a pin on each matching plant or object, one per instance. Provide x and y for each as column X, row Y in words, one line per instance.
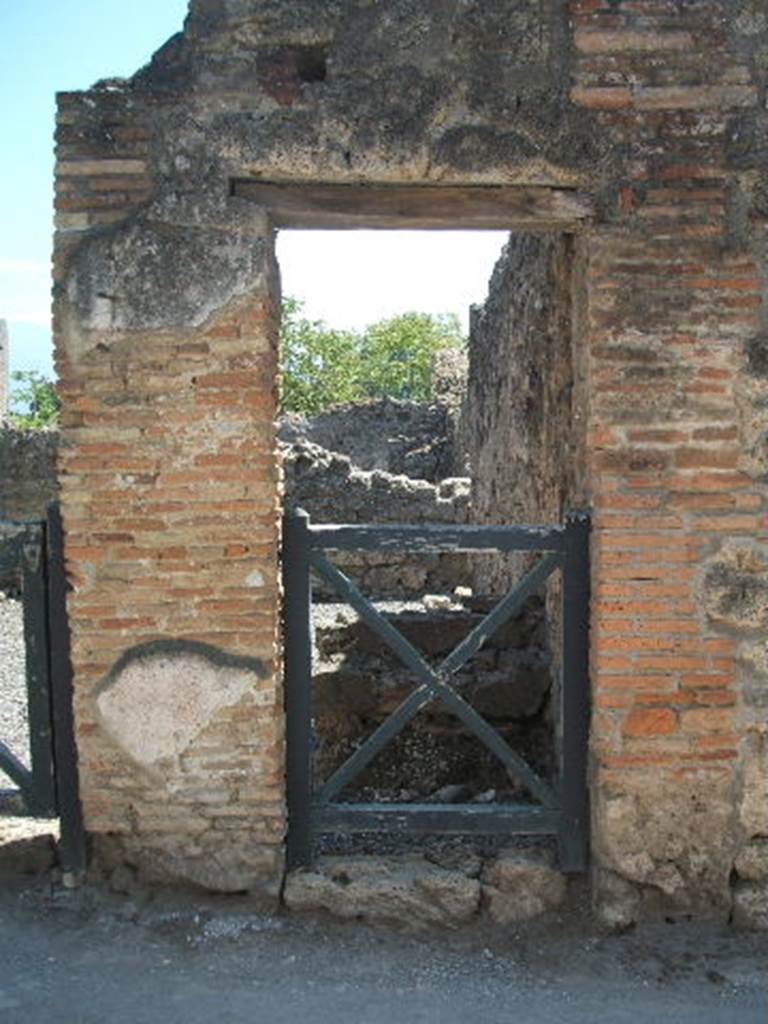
column 28, row 477
column 413, row 439
column 519, row 422
column 332, row 490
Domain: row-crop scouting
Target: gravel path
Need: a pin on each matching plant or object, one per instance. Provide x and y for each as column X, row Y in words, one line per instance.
column 77, row 958
column 13, row 695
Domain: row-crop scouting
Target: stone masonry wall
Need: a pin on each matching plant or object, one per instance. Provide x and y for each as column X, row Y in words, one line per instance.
column 519, row 425
column 400, row 437
column 165, row 321
column 332, row 490
column 28, row 477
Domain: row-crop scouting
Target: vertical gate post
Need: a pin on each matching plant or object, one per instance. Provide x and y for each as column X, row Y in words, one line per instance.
column 42, row 796
column 298, row 686
column 72, row 843
column 573, row 835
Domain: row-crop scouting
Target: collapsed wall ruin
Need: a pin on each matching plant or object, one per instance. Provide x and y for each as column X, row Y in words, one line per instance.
column 638, row 131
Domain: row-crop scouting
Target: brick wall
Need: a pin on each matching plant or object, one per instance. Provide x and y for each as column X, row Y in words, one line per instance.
column 165, row 311
column 674, row 306
column 168, row 483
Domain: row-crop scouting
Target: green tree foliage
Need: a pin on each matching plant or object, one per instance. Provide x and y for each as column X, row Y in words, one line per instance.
column 320, row 365
column 398, row 354
column 393, row 357
column 35, row 394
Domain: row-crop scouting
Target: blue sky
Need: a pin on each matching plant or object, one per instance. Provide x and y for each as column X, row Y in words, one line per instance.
column 51, row 46
column 346, row 278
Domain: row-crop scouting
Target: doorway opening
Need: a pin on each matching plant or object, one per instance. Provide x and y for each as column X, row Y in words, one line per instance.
column 495, row 440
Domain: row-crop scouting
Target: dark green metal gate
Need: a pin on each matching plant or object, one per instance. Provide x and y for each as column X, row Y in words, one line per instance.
column 48, row 788
column 561, row 809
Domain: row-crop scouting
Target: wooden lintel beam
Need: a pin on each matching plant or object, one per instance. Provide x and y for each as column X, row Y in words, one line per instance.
column 299, row 205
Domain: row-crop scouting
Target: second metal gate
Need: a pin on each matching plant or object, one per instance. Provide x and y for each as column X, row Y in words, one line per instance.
column 48, row 787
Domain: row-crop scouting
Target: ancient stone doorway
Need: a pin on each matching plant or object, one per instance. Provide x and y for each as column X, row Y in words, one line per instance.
column 541, row 435
column 166, row 338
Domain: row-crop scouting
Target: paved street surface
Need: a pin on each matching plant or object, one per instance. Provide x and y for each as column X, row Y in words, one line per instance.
column 88, row 958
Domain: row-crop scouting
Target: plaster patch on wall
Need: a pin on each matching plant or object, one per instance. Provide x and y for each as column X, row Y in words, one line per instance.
column 144, row 276
column 160, row 696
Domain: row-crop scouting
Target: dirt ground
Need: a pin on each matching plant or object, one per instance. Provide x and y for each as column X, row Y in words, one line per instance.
column 88, row 956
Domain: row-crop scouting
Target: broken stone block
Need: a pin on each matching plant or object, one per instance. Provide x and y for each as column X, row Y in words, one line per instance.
column 521, row 884
column 752, row 863
column 674, row 843
column 750, row 905
column 27, row 846
column 408, row 892
column 616, row 900
column 735, row 588
column 753, row 809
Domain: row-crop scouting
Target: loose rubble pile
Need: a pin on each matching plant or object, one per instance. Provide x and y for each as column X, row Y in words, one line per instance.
column 358, row 682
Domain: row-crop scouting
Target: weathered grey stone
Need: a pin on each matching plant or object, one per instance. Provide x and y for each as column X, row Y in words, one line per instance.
column 123, row 879
column 400, row 437
column 28, row 472
column 27, row 846
column 750, row 905
column 521, row 884
column 753, row 807
column 231, row 868
column 675, row 842
column 752, row 862
column 617, row 902
column 215, row 861
column 332, row 489
column 473, row 89
column 518, row 691
column 753, row 654
column 408, row 892
column 757, row 355
column 735, row 587
column 519, row 420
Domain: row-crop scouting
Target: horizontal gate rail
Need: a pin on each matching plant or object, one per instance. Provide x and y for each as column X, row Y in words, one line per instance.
column 435, row 537
column 563, row 811
column 451, row 819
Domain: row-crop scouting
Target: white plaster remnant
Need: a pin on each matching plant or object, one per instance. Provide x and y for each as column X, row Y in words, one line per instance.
column 158, row 704
column 255, row 579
